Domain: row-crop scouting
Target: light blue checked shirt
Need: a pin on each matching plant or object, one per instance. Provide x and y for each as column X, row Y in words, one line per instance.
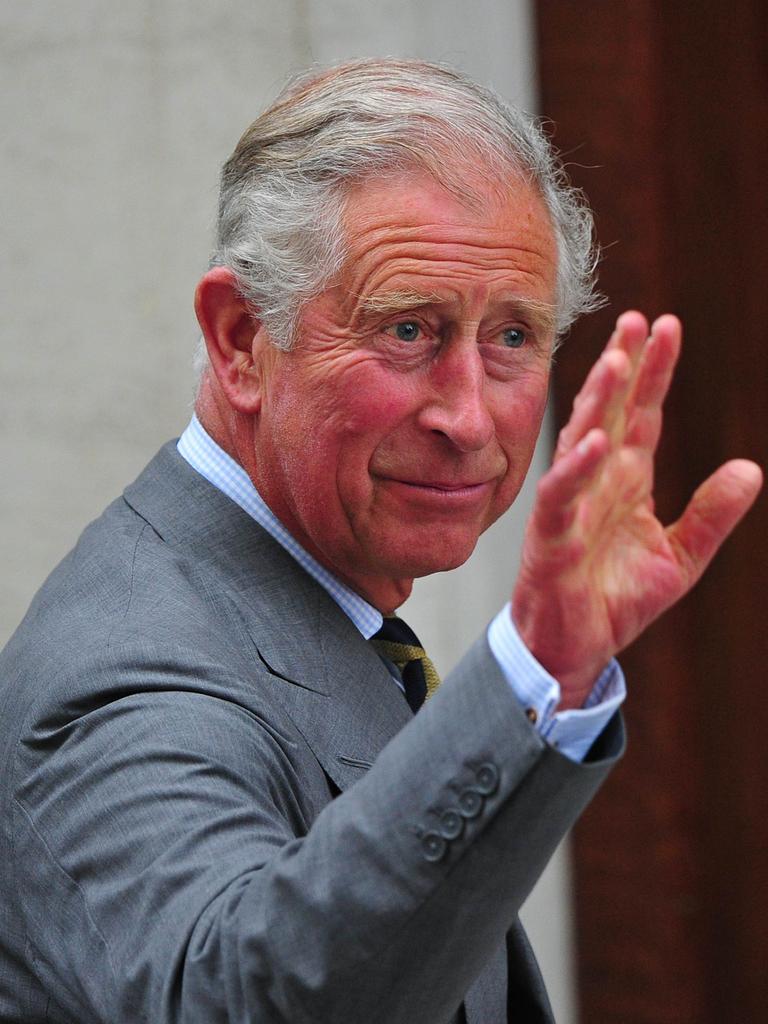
column 572, row 732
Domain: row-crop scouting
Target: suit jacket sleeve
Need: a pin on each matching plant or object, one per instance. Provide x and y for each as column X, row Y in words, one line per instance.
column 192, row 880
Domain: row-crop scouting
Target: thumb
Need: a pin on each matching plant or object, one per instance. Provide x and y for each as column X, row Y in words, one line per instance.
column 713, row 511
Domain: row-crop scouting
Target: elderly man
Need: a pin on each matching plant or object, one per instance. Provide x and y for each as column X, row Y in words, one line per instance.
column 217, row 802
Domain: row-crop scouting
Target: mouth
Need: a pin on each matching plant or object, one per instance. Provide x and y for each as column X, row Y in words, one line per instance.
column 445, row 492
column 443, row 486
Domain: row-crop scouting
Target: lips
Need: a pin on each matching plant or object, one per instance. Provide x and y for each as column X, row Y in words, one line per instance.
column 446, row 495
column 442, row 485
column 446, row 483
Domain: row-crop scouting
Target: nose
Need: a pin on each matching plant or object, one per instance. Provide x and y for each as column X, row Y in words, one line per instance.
column 457, row 406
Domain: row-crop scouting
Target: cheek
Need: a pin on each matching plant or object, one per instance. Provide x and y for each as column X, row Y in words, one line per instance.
column 327, row 433
column 520, row 411
column 518, row 424
column 367, row 405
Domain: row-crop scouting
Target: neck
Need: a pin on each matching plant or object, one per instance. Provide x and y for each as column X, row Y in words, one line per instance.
column 232, row 431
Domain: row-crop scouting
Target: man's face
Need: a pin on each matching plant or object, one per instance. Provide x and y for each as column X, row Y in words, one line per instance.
column 403, row 422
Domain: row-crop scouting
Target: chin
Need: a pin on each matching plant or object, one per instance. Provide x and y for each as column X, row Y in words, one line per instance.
column 428, row 562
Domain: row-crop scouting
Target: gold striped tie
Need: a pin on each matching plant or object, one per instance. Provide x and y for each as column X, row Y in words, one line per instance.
column 397, row 642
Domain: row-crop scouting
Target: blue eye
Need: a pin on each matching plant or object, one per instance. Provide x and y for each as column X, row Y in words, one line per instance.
column 407, row 330
column 514, row 337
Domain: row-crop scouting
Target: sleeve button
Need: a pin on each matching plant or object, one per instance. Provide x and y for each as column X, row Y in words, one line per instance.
column 451, row 824
column 470, row 803
column 433, row 846
column 487, row 776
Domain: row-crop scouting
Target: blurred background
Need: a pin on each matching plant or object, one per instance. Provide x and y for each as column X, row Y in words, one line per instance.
column 116, row 118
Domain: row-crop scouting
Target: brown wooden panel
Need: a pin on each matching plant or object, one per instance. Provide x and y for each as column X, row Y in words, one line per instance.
column 662, row 112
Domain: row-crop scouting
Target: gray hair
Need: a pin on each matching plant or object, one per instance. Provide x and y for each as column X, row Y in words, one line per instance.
column 284, row 188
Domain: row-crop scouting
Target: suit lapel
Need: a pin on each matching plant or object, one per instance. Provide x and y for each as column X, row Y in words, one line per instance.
column 331, row 681
column 337, row 690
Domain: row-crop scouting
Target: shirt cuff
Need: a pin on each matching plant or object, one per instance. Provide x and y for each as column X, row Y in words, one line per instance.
column 573, row 732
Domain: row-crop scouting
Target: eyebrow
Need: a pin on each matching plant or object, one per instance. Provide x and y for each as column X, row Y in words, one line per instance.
column 398, row 301
column 543, row 314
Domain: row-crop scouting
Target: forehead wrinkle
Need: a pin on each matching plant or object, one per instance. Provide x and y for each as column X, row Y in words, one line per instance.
column 502, row 268
column 443, row 245
column 374, row 267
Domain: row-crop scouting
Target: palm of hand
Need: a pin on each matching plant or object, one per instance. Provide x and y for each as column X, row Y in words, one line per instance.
column 598, row 566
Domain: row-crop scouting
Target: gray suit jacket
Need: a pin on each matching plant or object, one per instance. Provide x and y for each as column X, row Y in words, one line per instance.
column 216, row 806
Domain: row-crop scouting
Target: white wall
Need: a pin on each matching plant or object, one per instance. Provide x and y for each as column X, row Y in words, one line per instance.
column 116, row 119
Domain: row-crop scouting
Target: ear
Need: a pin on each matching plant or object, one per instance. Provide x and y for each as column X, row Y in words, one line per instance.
column 232, row 337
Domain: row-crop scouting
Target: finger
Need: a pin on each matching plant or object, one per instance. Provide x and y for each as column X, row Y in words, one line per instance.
column 560, row 489
column 654, row 377
column 657, row 365
column 600, row 402
column 713, row 511
column 629, row 335
column 603, row 397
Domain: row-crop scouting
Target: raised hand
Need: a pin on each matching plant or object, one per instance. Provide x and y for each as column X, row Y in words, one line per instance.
column 597, row 565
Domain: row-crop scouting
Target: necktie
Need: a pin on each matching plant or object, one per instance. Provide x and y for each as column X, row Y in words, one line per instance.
column 397, row 642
